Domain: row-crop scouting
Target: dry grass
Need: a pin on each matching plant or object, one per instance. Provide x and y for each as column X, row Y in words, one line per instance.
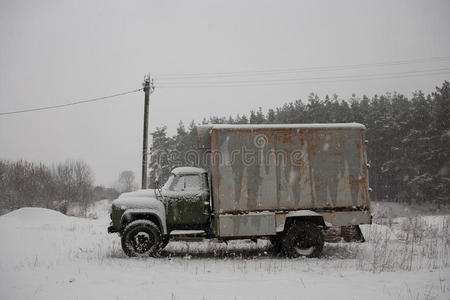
column 409, row 243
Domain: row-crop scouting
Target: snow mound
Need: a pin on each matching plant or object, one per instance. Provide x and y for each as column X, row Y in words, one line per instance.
column 33, row 215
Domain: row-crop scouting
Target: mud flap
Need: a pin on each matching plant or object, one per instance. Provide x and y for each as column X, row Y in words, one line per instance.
column 350, row 233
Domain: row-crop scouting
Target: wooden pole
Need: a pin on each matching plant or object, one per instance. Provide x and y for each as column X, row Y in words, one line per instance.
column 146, row 85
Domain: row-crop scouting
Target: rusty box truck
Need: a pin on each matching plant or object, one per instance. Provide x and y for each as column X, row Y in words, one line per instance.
column 289, row 183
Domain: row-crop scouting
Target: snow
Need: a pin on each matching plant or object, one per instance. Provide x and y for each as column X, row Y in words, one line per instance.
column 140, row 193
column 149, row 202
column 287, row 126
column 188, row 170
column 46, row 255
column 32, row 216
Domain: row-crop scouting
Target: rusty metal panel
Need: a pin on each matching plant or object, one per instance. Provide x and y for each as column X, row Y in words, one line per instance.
column 298, row 166
column 293, row 170
column 280, row 219
column 345, row 218
column 256, row 224
column 331, row 172
column 245, row 173
column 216, row 175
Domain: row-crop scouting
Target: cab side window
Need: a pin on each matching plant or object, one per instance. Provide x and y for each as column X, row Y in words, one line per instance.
column 192, row 183
column 188, row 183
column 178, row 184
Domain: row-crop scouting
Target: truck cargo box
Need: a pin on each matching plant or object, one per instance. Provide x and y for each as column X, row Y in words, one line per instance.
column 321, row 167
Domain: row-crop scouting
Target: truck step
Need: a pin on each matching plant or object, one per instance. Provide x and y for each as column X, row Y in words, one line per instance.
column 187, row 235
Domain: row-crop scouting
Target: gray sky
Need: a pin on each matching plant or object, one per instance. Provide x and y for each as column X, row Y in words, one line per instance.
column 54, row 52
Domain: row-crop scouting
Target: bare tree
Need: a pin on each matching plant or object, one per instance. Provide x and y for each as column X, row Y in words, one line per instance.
column 73, row 185
column 127, row 181
column 24, row 183
column 83, row 183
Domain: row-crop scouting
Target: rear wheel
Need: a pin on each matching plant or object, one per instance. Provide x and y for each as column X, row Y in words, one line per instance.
column 141, row 238
column 276, row 243
column 302, row 239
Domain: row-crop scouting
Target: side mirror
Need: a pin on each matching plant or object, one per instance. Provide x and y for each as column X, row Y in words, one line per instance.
column 157, row 188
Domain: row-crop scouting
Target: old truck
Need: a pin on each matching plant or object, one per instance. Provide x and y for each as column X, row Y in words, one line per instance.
column 289, row 183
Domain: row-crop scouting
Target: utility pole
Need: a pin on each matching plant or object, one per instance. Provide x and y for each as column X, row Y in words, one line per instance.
column 148, row 89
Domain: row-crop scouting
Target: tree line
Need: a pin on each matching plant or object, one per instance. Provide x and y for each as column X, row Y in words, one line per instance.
column 24, row 183
column 409, row 139
column 409, row 151
column 64, row 186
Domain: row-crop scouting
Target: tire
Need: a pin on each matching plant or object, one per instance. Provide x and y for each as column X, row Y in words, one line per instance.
column 141, row 238
column 302, row 239
column 276, row 243
column 164, row 241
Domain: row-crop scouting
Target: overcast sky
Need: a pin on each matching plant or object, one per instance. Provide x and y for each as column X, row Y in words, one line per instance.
column 55, row 52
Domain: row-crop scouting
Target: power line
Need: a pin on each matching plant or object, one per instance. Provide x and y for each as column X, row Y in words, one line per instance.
column 291, row 81
column 244, row 83
column 69, row 104
column 307, row 78
column 303, row 69
column 304, row 82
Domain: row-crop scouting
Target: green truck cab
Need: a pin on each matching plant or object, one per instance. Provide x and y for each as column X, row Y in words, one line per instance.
column 287, row 183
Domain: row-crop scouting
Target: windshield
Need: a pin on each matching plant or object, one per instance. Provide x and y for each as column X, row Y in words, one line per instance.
column 168, row 182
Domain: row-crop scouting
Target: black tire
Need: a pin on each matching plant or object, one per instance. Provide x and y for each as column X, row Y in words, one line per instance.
column 302, row 239
column 141, row 238
column 164, row 241
column 276, row 243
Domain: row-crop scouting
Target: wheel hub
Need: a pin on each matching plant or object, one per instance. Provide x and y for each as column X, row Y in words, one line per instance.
column 304, row 244
column 142, row 242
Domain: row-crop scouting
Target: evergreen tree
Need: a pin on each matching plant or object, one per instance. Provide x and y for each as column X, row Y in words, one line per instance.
column 409, row 140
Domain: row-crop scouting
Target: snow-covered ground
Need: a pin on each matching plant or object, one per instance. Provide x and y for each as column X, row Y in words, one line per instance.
column 47, row 255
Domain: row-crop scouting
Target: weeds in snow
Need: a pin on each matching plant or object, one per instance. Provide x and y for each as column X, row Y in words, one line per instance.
column 413, row 243
column 405, row 244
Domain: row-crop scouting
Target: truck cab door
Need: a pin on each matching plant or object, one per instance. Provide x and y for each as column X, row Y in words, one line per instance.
column 185, row 201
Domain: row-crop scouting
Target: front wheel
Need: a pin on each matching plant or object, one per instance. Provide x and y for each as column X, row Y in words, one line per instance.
column 164, row 242
column 141, row 238
column 303, row 239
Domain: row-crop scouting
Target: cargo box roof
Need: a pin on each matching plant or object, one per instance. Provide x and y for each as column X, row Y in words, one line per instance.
column 287, row 126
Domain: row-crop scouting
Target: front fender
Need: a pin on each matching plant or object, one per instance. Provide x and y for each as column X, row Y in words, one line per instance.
column 137, row 213
column 140, row 204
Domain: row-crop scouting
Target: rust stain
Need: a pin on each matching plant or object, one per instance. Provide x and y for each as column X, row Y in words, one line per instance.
column 287, row 139
column 326, row 154
column 353, row 180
